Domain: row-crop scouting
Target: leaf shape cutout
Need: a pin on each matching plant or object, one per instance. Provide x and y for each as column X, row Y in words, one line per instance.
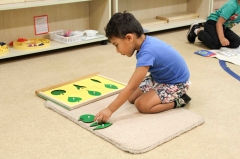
column 74, row 99
column 79, row 87
column 87, row 118
column 111, row 86
column 94, row 93
column 94, row 80
column 58, row 92
column 102, row 126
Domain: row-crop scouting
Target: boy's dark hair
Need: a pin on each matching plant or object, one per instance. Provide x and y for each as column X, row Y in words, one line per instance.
column 122, row 24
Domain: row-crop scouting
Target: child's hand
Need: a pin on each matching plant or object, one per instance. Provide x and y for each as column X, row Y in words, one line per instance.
column 103, row 115
column 224, row 41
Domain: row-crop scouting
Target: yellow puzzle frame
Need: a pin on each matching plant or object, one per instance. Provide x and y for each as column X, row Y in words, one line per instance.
column 81, row 91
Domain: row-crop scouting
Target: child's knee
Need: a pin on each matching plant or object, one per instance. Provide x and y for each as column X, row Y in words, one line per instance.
column 130, row 100
column 139, row 104
column 235, row 44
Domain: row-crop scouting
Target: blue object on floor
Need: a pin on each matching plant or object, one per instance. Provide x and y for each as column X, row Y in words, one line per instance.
column 224, row 66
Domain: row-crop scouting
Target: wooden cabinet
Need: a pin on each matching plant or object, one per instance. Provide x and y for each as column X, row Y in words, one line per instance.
column 17, row 20
column 176, row 13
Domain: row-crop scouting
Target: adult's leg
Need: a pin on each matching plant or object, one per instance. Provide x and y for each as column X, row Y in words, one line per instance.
column 232, row 37
column 209, row 35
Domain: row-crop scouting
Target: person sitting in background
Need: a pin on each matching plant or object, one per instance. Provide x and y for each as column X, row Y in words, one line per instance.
column 217, row 29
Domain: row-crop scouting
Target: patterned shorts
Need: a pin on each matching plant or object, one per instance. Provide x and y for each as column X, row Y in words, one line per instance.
column 167, row 92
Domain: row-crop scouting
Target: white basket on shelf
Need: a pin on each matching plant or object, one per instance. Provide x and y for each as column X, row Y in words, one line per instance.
column 58, row 36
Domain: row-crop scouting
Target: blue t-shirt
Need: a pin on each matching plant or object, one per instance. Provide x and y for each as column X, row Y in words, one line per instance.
column 230, row 11
column 166, row 64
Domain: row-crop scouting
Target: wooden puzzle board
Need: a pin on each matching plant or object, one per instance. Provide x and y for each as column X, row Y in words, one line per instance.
column 74, row 94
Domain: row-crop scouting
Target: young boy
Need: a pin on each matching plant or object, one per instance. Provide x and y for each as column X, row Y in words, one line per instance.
column 217, row 29
column 166, row 86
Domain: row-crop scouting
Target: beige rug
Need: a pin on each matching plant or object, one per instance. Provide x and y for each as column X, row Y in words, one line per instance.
column 132, row 131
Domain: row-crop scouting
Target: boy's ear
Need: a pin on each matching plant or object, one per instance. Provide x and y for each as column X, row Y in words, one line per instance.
column 129, row 37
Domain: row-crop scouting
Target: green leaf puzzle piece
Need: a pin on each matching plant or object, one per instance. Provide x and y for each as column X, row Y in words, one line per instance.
column 97, row 123
column 58, row 92
column 74, row 99
column 94, row 93
column 94, row 124
column 111, row 86
column 94, row 80
column 86, row 118
column 102, row 125
column 79, row 87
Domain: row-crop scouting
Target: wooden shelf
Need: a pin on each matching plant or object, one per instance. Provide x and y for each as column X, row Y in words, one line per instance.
column 180, row 16
column 17, row 20
column 21, row 5
column 150, row 22
column 177, row 13
column 54, row 45
column 165, row 26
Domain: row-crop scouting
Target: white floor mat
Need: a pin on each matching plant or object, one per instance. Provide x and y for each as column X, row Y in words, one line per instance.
column 132, row 131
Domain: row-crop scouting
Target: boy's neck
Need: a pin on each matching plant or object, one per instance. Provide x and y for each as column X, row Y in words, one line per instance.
column 141, row 39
